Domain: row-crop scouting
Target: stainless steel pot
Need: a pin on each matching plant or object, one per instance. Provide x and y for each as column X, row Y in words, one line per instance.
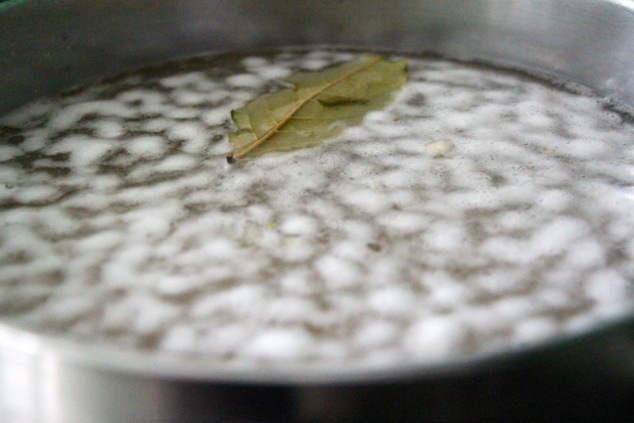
column 46, row 46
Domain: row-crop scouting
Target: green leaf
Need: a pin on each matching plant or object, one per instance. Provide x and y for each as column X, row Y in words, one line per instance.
column 319, row 106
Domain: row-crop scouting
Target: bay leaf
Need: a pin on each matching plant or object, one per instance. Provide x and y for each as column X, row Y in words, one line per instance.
column 319, row 106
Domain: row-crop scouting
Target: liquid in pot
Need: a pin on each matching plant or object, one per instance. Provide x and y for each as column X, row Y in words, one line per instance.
column 123, row 224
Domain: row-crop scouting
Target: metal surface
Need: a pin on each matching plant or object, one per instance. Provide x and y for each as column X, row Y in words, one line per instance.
column 46, row 46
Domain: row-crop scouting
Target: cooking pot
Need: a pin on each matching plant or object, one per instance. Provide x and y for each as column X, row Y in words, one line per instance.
column 47, row 46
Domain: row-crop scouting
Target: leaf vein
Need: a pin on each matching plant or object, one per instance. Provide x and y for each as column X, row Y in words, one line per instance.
column 300, row 104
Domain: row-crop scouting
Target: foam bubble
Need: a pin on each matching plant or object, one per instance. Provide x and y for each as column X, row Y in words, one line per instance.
column 8, row 152
column 147, row 146
column 280, row 344
column 338, row 273
column 244, row 80
column 392, row 301
column 434, row 338
column 84, row 150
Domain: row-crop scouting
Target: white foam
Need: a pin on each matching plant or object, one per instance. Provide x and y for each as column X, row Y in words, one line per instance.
column 299, row 225
column 607, row 286
column 534, row 329
column 108, row 128
column 376, row 334
column 84, row 150
column 449, row 293
column 8, row 152
column 181, row 113
column 184, row 80
column 338, row 273
column 554, row 237
column 157, row 124
column 100, row 241
column 297, row 282
column 353, row 250
column 297, row 250
column 176, row 285
column 177, row 163
column 392, row 302
column 233, row 337
column 36, row 194
column 70, row 308
column 365, row 251
column 179, row 339
column 279, row 344
column 34, row 140
column 434, row 338
column 513, row 308
column 65, row 118
column 442, row 236
column 314, row 64
column 244, row 80
column 197, row 139
column 147, row 146
column 156, row 315
column 403, row 222
column 289, row 309
column 586, row 254
column 364, row 200
column 189, row 98
column 273, row 72
column 241, row 299
column 10, row 174
column 23, row 115
column 216, row 116
column 254, row 62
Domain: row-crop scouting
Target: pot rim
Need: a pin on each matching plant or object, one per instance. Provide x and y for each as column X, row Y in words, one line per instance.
column 202, row 368
column 106, row 357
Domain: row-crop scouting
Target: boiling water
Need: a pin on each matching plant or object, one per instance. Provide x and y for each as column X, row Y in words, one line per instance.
column 481, row 210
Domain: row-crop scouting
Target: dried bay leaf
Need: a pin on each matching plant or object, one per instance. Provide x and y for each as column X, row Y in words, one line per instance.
column 319, row 106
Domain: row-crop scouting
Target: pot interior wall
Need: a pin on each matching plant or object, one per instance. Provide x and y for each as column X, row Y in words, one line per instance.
column 47, row 46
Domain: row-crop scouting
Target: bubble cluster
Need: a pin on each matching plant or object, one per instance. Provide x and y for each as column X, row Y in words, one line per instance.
column 482, row 209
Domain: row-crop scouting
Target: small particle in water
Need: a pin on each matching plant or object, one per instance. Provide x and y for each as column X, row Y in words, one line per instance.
column 439, row 149
column 374, row 246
